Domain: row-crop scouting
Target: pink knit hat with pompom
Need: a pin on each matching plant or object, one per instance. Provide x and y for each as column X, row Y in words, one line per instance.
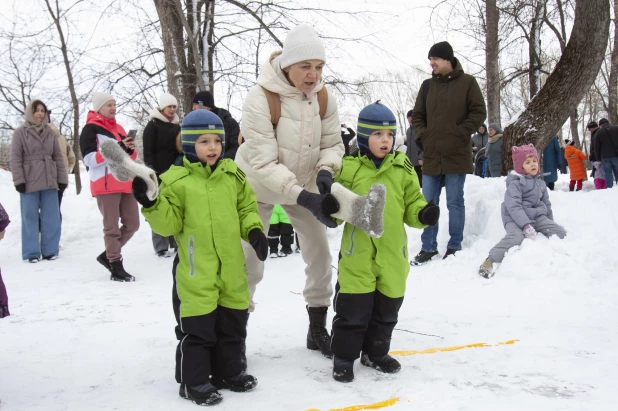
column 520, row 154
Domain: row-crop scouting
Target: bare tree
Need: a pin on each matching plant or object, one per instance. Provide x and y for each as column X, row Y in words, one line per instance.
column 492, row 61
column 572, row 77
column 612, row 89
column 57, row 14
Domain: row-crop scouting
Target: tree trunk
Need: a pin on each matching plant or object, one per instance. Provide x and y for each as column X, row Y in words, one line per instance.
column 565, row 87
column 534, row 49
column 574, row 130
column 613, row 74
column 75, row 103
column 171, row 63
column 180, row 68
column 492, row 65
column 209, row 49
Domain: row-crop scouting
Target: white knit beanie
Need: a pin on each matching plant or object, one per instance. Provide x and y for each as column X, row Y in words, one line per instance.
column 99, row 99
column 302, row 43
column 167, row 100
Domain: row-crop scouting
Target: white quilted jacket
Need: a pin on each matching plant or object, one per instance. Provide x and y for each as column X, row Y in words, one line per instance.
column 280, row 163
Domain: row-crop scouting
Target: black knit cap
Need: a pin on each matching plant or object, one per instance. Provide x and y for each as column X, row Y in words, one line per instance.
column 592, row 124
column 410, row 113
column 205, row 97
column 603, row 121
column 442, row 50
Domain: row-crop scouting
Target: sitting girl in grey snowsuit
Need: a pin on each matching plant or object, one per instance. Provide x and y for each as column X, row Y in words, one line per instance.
column 526, row 209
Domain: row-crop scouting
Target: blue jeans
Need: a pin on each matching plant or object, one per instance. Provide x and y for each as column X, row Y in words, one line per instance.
column 44, row 205
column 454, row 184
column 610, row 166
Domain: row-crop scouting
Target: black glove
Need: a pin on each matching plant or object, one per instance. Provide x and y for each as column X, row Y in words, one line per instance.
column 126, row 149
column 324, row 180
column 21, row 188
column 430, row 214
column 139, row 192
column 259, row 242
column 320, row 205
column 62, row 187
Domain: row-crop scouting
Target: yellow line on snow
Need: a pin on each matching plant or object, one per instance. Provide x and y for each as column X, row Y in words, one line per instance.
column 375, row 406
column 447, row 349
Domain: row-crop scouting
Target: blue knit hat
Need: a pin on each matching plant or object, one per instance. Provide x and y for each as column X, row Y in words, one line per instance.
column 195, row 124
column 374, row 117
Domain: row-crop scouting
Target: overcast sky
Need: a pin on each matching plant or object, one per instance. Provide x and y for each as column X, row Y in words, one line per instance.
column 399, row 30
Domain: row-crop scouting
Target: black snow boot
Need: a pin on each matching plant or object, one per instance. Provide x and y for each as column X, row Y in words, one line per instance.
column 102, row 259
column 423, row 257
column 386, row 364
column 571, row 188
column 449, row 252
column 317, row 336
column 118, row 272
column 239, row 383
column 343, row 370
column 205, row 394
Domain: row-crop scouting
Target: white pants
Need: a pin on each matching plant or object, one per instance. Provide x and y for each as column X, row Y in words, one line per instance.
column 315, row 252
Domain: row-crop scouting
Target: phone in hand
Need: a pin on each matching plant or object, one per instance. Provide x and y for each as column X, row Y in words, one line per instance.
column 132, row 133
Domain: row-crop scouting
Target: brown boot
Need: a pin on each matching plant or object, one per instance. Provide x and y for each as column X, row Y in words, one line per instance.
column 487, row 268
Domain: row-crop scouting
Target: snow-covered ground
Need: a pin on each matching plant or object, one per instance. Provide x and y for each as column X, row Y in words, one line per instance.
column 78, row 341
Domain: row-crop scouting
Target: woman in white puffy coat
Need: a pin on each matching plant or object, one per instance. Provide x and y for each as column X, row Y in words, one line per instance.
column 293, row 164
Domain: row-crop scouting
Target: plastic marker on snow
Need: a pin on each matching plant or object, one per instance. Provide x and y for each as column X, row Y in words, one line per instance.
column 377, row 405
column 455, row 348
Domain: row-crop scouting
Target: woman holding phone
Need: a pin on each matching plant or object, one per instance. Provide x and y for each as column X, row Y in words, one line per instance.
column 114, row 198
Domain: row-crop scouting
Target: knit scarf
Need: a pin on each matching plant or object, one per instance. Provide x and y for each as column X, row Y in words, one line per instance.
column 32, row 122
column 495, row 138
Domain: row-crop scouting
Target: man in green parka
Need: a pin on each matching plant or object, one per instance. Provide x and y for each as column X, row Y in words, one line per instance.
column 208, row 206
column 449, row 108
column 372, row 271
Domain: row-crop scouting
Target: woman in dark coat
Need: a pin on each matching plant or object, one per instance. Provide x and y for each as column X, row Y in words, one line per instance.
column 494, row 150
column 552, row 159
column 160, row 152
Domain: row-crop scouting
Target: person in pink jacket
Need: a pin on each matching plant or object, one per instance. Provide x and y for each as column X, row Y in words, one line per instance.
column 114, row 198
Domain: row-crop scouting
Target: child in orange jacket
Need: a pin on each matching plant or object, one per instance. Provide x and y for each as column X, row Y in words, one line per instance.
column 575, row 158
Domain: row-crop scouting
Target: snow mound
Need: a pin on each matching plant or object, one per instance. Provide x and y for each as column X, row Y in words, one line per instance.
column 77, row 341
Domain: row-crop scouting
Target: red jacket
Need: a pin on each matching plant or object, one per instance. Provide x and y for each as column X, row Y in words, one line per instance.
column 97, row 130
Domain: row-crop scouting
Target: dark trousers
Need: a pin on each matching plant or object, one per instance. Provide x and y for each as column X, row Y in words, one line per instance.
column 550, row 186
column 363, row 322
column 419, row 173
column 209, row 344
column 281, row 232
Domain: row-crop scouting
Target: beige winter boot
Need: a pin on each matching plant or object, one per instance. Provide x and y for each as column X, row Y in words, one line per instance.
column 487, row 268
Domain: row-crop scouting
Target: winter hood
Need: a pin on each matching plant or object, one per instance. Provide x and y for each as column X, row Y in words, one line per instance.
column 156, row 114
column 273, row 78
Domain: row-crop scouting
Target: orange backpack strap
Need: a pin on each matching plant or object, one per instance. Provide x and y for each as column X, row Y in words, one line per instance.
column 323, row 101
column 274, row 104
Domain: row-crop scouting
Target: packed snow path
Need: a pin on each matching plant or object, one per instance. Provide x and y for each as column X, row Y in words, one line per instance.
column 78, row 341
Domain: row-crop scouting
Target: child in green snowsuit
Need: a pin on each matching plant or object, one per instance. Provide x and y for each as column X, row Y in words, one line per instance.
column 208, row 206
column 280, row 230
column 372, row 271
